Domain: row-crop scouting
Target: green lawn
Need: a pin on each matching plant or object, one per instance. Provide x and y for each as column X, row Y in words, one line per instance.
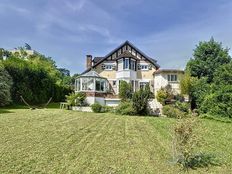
column 60, row 141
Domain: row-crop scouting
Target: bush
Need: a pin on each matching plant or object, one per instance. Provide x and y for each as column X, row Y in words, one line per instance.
column 107, row 109
column 125, row 91
column 186, row 140
column 76, row 99
column 125, row 108
column 96, row 107
column 161, row 96
column 140, row 101
column 182, row 106
column 173, row 112
column 165, row 94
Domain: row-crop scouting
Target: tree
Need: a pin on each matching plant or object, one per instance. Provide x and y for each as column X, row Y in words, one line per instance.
column 74, row 78
column 36, row 79
column 64, row 72
column 186, row 83
column 140, row 100
column 125, row 91
column 207, row 57
column 223, row 75
column 5, row 86
column 27, row 46
column 218, row 101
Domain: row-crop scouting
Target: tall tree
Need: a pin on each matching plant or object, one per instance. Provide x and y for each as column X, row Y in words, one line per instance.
column 207, row 57
column 5, row 86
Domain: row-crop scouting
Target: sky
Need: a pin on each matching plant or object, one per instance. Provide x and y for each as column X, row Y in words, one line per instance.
column 68, row 30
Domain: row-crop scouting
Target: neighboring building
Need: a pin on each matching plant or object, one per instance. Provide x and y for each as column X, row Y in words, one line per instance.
column 164, row 77
column 19, row 51
column 22, row 52
column 102, row 76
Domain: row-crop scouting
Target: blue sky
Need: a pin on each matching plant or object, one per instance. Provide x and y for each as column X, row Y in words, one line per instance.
column 67, row 30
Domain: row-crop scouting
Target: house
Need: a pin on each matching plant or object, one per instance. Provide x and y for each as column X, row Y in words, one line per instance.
column 103, row 75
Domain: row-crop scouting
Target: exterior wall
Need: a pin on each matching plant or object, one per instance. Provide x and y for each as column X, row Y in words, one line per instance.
column 92, row 100
column 109, row 74
column 161, row 80
column 127, row 75
column 145, row 74
column 112, row 102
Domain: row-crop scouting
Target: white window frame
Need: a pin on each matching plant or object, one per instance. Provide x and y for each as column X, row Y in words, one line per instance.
column 108, row 67
column 172, row 78
column 142, row 67
column 133, row 63
column 128, row 64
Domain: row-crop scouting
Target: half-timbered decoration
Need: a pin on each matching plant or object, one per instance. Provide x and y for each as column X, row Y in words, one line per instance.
column 127, row 63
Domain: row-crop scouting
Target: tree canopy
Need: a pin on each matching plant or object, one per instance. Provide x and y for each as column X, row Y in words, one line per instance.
column 211, row 79
column 5, row 86
column 207, row 57
column 36, row 79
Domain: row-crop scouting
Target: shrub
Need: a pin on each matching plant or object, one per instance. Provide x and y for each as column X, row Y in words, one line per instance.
column 125, row 108
column 80, row 99
column 76, row 99
column 107, row 109
column 185, row 141
column 165, row 94
column 125, row 91
column 172, row 112
column 96, row 107
column 182, row 106
column 161, row 96
column 140, row 101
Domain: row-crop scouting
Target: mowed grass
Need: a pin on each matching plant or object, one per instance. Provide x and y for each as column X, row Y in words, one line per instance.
column 61, row 141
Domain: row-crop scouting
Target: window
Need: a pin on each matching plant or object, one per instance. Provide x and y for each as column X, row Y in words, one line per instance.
column 144, row 67
column 78, row 85
column 126, row 63
column 108, row 67
column 142, row 85
column 87, row 84
column 133, row 65
column 100, row 85
column 114, row 83
column 172, row 78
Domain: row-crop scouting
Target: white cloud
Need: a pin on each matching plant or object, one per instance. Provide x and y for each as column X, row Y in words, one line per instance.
column 9, row 8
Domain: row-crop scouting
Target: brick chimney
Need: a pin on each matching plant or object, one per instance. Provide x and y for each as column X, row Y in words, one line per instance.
column 88, row 61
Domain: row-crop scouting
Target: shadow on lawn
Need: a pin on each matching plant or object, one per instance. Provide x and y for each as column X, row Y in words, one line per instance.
column 4, row 111
column 201, row 160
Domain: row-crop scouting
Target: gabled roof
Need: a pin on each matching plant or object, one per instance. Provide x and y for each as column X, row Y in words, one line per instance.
column 98, row 60
column 90, row 73
column 127, row 54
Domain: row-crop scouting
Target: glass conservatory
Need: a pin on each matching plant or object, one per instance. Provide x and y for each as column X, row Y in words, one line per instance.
column 91, row 82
